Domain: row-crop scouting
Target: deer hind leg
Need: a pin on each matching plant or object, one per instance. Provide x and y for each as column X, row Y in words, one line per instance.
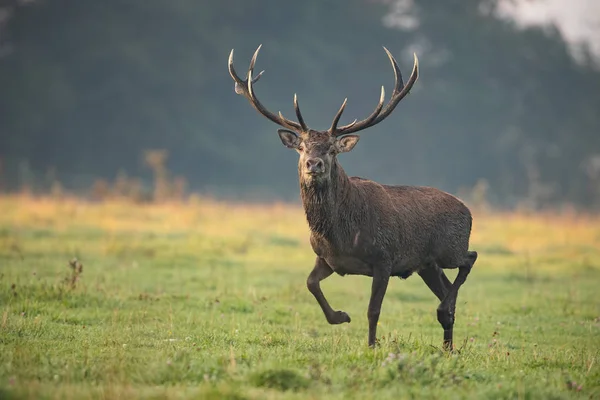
column 436, row 280
column 321, row 271
column 447, row 307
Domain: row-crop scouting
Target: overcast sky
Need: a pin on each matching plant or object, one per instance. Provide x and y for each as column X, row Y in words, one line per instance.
column 577, row 19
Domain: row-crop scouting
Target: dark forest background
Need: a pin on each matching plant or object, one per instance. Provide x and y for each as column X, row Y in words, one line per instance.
column 88, row 86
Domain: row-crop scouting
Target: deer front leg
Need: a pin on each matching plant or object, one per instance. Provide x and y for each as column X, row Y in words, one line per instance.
column 321, row 271
column 381, row 277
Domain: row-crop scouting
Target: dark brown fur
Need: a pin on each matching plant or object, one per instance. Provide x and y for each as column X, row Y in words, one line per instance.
column 408, row 227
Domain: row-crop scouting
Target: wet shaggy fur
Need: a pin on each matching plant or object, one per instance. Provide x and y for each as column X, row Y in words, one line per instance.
column 408, row 227
column 361, row 227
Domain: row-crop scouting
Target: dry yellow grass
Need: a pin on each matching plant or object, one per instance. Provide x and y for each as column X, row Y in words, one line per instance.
column 524, row 233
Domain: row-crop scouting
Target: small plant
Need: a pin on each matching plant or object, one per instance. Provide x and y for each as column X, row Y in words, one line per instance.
column 572, row 385
column 424, row 369
column 76, row 271
column 155, row 160
column 281, row 379
column 100, row 190
column 120, row 188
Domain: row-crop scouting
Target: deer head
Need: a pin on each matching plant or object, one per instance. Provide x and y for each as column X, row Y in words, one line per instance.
column 318, row 149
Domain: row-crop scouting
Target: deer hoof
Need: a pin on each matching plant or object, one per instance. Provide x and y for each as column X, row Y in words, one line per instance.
column 339, row 317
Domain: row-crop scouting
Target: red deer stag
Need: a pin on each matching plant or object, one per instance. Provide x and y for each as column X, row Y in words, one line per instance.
column 361, row 227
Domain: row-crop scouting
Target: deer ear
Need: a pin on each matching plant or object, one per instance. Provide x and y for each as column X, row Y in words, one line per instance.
column 289, row 138
column 347, row 143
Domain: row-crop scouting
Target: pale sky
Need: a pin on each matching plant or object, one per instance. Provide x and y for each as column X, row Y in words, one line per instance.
column 577, row 19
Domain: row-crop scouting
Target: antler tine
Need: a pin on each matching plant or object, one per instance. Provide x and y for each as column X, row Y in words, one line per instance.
column 399, row 92
column 252, row 62
column 299, row 114
column 397, row 73
column 245, row 88
column 291, row 123
column 365, row 123
column 254, row 100
column 337, row 117
column 232, row 72
column 302, row 125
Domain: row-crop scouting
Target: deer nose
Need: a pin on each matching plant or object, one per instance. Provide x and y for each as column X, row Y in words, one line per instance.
column 315, row 165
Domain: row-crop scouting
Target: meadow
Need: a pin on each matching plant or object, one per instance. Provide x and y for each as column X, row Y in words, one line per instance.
column 208, row 300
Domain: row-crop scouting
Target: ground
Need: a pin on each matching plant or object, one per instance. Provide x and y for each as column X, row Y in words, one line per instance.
column 209, row 300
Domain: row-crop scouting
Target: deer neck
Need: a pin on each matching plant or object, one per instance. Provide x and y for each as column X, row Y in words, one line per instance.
column 322, row 201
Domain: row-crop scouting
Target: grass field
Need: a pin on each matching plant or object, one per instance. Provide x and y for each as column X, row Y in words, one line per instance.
column 209, row 301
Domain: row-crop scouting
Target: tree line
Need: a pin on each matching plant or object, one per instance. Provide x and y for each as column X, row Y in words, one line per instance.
column 88, row 87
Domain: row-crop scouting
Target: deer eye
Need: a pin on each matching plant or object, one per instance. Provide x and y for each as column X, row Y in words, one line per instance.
column 300, row 148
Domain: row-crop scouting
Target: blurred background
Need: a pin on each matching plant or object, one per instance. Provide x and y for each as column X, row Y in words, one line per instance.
column 134, row 97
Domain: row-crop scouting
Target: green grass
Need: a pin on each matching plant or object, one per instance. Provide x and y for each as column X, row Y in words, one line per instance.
column 209, row 301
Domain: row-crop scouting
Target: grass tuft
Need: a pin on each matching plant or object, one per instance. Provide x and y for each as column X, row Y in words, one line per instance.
column 280, row 379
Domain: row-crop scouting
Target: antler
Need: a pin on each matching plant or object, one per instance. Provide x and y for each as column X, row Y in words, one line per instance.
column 380, row 113
column 246, row 89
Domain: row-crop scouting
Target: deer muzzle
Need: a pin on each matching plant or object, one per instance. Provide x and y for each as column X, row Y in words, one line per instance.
column 315, row 166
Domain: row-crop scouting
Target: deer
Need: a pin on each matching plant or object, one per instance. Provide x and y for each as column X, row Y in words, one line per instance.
column 361, row 227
